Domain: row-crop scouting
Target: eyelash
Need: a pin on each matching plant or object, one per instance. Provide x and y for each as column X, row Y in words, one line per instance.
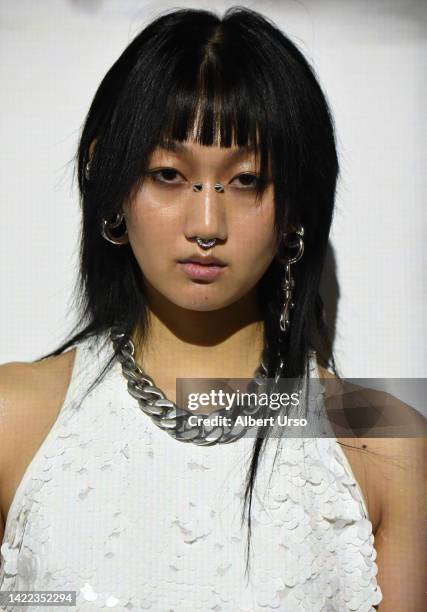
column 153, row 173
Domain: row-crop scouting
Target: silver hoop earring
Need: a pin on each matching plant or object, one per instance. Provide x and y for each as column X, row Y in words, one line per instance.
column 205, row 243
column 288, row 283
column 106, row 226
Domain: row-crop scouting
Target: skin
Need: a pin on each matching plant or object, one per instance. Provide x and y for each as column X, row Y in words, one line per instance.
column 213, row 329
column 210, row 328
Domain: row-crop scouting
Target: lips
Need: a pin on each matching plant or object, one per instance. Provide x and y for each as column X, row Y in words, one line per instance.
column 206, row 260
column 198, row 271
column 204, row 264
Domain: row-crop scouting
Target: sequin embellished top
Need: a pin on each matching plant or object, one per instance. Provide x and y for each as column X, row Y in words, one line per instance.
column 114, row 508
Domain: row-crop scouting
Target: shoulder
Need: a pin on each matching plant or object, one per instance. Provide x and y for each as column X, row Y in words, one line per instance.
column 24, row 384
column 388, row 454
column 28, row 390
column 31, row 394
column 363, row 412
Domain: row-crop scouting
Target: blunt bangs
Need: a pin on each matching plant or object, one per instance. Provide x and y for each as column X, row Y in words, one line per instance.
column 191, row 75
column 207, row 80
column 213, row 97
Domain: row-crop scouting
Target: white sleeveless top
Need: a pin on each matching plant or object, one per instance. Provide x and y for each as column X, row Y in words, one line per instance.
column 114, row 508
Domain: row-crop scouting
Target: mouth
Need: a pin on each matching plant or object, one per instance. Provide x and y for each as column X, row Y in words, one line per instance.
column 203, row 271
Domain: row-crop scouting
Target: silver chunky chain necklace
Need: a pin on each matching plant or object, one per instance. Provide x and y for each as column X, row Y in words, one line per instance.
column 174, row 420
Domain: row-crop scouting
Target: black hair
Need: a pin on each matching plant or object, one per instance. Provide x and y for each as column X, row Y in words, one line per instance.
column 235, row 79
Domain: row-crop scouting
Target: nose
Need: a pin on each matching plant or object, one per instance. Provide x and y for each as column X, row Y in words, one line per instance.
column 205, row 215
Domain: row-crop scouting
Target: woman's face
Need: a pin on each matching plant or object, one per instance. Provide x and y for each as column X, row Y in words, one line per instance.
column 166, row 215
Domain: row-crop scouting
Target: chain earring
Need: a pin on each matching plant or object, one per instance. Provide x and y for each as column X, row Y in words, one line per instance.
column 288, row 285
column 291, row 240
column 107, row 226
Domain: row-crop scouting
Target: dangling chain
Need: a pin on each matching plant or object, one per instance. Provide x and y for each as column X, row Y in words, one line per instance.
column 288, row 285
column 168, row 416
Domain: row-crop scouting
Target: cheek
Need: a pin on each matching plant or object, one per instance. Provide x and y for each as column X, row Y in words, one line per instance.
column 256, row 253
column 150, row 230
column 254, row 245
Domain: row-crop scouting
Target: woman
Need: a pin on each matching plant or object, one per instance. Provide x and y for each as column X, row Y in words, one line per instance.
column 207, row 169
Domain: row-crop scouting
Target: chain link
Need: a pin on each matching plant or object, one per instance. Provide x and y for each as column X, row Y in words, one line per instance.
column 174, row 420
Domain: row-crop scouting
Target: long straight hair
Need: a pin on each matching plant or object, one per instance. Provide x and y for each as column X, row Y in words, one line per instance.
column 231, row 80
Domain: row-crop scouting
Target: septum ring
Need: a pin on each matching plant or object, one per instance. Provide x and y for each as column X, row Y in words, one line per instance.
column 206, row 243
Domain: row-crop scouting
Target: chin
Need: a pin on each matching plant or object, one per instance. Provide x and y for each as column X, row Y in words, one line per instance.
column 204, row 302
column 201, row 305
column 199, row 296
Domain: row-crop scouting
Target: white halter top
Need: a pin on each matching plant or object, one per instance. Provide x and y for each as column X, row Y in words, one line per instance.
column 114, row 508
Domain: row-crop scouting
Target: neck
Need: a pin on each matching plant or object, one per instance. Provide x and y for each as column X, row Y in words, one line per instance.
column 182, row 343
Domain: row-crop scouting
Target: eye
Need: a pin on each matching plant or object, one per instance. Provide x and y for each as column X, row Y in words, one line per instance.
column 168, row 176
column 247, row 180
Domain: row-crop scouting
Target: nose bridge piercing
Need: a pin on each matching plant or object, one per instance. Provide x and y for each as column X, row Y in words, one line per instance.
column 219, row 187
column 207, row 243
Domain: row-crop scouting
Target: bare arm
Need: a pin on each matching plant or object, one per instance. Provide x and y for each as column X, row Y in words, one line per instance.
column 12, row 376
column 392, row 473
column 31, row 395
column 397, row 469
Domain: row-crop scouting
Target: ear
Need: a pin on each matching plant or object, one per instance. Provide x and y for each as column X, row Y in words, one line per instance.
column 92, row 148
column 291, row 229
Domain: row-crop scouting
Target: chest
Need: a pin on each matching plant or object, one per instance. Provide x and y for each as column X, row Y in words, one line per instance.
column 114, row 509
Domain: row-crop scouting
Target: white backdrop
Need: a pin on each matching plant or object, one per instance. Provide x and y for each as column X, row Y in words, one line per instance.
column 370, row 57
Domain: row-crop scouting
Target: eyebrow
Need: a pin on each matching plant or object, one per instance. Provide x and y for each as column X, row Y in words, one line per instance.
column 179, row 147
